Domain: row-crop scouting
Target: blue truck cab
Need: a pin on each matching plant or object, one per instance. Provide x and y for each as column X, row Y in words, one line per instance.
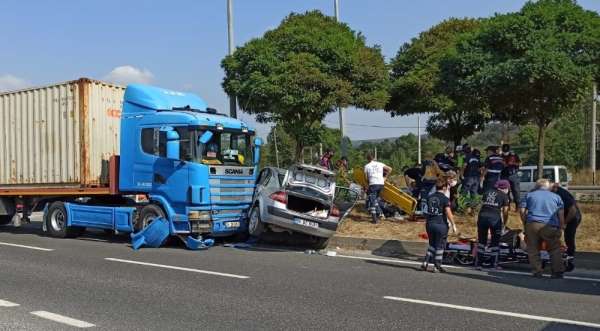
column 197, row 167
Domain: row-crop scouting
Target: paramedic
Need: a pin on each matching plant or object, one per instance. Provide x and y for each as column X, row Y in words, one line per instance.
column 472, row 173
column 494, row 164
column 492, row 218
column 572, row 220
column 542, row 213
column 375, row 173
column 439, row 220
column 510, row 172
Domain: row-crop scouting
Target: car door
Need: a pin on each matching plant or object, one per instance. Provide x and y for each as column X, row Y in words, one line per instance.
column 260, row 182
column 344, row 200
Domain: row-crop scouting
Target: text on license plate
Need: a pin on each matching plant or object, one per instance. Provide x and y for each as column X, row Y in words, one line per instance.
column 306, row 223
column 232, row 224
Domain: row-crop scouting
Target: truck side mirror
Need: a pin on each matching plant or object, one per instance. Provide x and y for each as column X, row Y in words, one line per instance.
column 205, row 137
column 170, row 138
column 257, row 143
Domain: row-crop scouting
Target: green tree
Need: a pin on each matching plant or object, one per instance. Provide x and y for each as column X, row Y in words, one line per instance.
column 416, row 85
column 304, row 69
column 280, row 148
column 532, row 66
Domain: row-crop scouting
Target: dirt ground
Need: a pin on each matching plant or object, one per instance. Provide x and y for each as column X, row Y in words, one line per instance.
column 357, row 224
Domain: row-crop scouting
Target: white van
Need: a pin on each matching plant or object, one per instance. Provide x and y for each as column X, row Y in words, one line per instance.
column 554, row 173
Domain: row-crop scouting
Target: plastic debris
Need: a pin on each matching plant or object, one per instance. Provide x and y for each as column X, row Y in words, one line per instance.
column 153, row 235
column 310, row 251
column 331, row 253
column 197, row 244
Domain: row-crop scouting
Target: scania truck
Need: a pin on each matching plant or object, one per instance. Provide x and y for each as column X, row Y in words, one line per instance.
column 80, row 151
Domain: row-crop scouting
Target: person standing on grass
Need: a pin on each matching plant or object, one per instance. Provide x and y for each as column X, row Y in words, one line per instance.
column 472, row 173
column 375, row 173
column 492, row 218
column 510, row 172
column 494, row 165
column 542, row 213
column 572, row 220
column 439, row 221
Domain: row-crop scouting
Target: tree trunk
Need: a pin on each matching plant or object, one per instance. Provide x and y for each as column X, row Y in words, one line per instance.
column 299, row 150
column 541, row 145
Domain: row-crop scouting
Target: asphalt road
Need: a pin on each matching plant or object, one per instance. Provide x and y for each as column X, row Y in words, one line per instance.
column 99, row 282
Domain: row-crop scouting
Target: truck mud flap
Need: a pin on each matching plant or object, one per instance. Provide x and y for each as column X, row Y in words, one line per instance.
column 154, row 235
column 197, row 244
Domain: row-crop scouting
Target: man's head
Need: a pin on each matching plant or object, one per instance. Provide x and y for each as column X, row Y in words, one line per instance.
column 542, row 184
column 555, row 187
column 329, row 153
column 466, row 149
column 505, row 148
column 369, row 157
column 503, row 185
column 491, row 150
column 476, row 152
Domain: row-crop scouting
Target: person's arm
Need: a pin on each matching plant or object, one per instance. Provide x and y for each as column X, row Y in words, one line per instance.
column 387, row 170
column 524, row 216
column 450, row 218
column 561, row 218
column 505, row 215
column 571, row 214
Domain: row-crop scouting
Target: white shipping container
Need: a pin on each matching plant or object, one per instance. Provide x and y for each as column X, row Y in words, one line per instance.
column 61, row 135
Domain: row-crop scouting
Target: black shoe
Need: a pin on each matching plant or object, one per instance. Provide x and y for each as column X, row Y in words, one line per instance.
column 537, row 275
column 570, row 266
column 557, row 275
column 440, row 269
column 423, row 267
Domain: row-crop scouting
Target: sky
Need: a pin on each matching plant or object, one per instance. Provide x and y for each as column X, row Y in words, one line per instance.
column 179, row 44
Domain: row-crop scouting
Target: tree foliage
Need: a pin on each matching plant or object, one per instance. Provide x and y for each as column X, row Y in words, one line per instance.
column 531, row 66
column 304, row 69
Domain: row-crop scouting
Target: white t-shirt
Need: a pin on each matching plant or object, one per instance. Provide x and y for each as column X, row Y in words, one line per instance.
column 374, row 172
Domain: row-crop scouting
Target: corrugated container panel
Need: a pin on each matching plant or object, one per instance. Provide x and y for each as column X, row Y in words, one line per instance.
column 46, row 143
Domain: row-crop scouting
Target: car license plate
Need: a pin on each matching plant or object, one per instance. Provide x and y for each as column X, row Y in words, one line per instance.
column 306, row 223
column 232, row 224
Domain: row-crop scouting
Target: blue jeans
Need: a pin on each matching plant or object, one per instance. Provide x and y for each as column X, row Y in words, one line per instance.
column 373, row 193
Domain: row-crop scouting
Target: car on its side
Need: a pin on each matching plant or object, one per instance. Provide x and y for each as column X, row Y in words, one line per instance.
column 303, row 199
column 554, row 173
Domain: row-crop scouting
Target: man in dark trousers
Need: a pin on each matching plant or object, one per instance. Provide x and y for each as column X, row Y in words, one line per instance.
column 512, row 162
column 472, row 173
column 572, row 220
column 492, row 219
column 494, row 165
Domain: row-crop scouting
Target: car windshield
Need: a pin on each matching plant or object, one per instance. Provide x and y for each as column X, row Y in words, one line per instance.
column 224, row 148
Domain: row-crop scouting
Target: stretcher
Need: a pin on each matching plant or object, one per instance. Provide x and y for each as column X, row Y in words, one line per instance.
column 390, row 193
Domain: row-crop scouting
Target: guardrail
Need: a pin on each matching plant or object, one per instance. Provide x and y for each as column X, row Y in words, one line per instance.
column 586, row 193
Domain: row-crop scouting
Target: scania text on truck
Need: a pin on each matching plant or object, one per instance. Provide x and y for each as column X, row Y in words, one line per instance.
column 80, row 150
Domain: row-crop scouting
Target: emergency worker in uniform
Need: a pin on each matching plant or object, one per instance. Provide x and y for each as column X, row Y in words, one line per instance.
column 439, row 221
column 492, row 218
column 512, row 162
column 472, row 173
column 494, row 165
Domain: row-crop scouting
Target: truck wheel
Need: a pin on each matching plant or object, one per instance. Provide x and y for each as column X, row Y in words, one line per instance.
column 255, row 226
column 56, row 221
column 321, row 243
column 8, row 207
column 147, row 215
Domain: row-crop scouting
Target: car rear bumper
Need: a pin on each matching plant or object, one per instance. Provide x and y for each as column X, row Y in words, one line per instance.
column 285, row 219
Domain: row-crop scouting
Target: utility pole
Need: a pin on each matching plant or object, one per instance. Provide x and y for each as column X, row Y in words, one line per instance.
column 375, row 157
column 336, row 8
column 276, row 149
column 594, row 137
column 232, row 101
column 419, row 138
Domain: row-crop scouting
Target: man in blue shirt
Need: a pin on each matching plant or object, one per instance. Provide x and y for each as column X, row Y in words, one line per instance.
column 543, row 218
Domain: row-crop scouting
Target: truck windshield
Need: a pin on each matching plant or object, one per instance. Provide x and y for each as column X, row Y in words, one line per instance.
column 225, row 148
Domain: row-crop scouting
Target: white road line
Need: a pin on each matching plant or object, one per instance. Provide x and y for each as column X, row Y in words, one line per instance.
column 401, row 261
column 4, row 303
column 62, row 319
column 496, row 312
column 25, row 246
column 178, row 268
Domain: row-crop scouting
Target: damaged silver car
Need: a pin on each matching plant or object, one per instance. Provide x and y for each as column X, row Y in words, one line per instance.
column 302, row 199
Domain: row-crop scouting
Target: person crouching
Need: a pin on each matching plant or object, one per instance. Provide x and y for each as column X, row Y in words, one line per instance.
column 492, row 218
column 439, row 220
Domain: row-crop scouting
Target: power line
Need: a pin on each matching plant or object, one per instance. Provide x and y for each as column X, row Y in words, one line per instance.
column 376, row 126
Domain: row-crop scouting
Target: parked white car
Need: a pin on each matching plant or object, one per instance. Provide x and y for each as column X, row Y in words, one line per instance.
column 554, row 173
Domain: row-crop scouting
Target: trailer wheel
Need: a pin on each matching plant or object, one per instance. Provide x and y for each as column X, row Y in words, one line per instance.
column 56, row 221
column 255, row 226
column 147, row 215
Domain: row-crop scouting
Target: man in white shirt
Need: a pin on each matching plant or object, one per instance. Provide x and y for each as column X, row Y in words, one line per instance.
column 375, row 173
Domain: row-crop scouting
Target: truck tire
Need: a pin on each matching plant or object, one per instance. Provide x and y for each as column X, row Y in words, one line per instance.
column 8, row 210
column 56, row 221
column 147, row 215
column 255, row 226
column 321, row 243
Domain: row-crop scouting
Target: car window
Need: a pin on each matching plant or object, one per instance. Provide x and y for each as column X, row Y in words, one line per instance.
column 263, row 177
column 548, row 174
column 562, row 175
column 525, row 175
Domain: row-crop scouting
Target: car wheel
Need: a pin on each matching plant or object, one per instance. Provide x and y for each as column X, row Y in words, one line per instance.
column 321, row 243
column 5, row 219
column 56, row 221
column 148, row 214
column 255, row 226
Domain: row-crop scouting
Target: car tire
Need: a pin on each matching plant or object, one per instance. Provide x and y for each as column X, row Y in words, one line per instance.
column 5, row 219
column 147, row 215
column 321, row 243
column 56, row 221
column 255, row 226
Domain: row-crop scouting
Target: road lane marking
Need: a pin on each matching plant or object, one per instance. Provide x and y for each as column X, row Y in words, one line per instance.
column 25, row 246
column 178, row 268
column 490, row 272
column 4, row 303
column 495, row 312
column 62, row 319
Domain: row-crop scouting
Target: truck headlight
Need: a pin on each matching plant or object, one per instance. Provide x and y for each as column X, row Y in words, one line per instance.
column 199, row 215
